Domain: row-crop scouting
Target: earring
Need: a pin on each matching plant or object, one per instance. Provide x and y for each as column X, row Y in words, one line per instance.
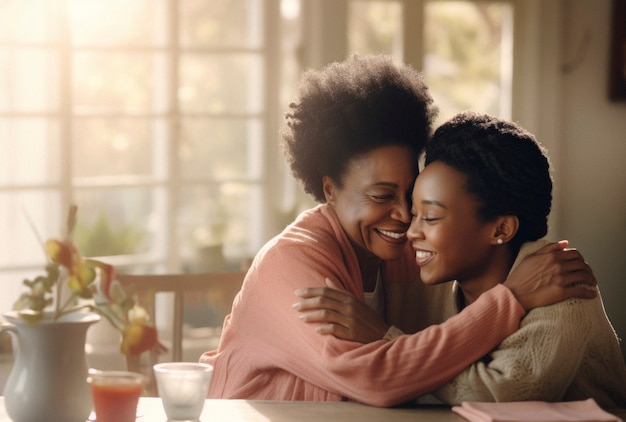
column 499, row 241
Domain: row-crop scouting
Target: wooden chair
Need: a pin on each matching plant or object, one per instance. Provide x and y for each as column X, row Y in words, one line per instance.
column 221, row 287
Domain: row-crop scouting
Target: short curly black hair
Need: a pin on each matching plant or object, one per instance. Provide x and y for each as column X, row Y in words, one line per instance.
column 349, row 108
column 506, row 168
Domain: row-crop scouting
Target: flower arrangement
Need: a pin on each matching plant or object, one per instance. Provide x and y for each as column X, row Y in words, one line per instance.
column 92, row 286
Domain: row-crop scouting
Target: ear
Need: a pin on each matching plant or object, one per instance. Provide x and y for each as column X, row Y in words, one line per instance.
column 505, row 228
column 329, row 189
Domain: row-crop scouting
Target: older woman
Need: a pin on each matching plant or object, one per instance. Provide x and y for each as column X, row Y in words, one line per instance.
column 353, row 137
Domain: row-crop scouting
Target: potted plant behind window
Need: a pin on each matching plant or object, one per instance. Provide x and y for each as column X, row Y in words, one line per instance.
column 48, row 381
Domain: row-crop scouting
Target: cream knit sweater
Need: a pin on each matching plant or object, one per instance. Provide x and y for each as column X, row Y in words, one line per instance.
column 567, row 351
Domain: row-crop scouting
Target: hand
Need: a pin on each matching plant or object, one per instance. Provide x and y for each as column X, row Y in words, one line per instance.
column 340, row 314
column 550, row 275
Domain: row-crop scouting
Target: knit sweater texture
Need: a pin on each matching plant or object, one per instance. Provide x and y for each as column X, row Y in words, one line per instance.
column 568, row 351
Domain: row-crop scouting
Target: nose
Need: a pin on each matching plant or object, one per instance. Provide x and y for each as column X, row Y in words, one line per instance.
column 401, row 212
column 415, row 230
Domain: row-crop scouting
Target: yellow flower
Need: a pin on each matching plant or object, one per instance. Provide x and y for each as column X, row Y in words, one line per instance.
column 67, row 265
column 138, row 338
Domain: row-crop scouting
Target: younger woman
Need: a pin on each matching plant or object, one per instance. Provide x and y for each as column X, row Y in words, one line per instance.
column 479, row 207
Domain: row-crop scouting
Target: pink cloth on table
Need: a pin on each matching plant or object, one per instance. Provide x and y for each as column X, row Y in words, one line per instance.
column 535, row 411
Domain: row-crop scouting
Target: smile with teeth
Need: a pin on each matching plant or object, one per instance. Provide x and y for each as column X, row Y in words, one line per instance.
column 393, row 235
column 423, row 257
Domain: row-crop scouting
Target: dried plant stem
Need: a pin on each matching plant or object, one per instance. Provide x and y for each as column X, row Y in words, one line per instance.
column 57, row 302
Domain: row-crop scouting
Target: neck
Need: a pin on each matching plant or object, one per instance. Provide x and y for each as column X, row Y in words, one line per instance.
column 491, row 275
column 369, row 265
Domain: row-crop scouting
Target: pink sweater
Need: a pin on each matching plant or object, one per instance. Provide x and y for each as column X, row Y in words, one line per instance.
column 267, row 352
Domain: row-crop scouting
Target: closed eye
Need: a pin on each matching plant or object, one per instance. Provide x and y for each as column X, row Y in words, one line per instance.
column 383, row 198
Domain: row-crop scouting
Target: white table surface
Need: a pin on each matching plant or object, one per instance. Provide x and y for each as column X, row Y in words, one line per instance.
column 151, row 410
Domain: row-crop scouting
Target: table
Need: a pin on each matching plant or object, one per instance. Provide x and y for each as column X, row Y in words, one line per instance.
column 289, row 411
column 151, row 410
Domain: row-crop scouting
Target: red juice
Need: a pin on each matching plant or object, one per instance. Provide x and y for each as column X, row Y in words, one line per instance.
column 115, row 397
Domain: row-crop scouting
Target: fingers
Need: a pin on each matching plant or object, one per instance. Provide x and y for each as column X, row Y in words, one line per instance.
column 318, row 315
column 573, row 270
column 323, row 316
column 583, row 279
column 324, row 292
column 332, row 284
column 324, row 300
column 335, row 312
column 553, row 246
column 334, row 330
column 330, row 322
column 550, row 275
column 581, row 292
column 565, row 266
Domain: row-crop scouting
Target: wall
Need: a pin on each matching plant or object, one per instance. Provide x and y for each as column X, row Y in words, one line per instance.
column 592, row 152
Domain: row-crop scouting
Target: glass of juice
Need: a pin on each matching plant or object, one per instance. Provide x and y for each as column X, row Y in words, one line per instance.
column 116, row 394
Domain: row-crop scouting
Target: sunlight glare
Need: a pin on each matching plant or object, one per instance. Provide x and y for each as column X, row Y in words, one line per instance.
column 290, row 9
column 120, row 143
column 85, row 16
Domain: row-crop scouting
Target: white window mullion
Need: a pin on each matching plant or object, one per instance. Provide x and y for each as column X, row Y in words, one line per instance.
column 66, row 112
column 413, row 33
column 270, row 172
column 174, row 179
column 330, row 44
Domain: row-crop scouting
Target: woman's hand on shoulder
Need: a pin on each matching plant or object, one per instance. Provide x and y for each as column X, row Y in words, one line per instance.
column 550, row 275
column 340, row 314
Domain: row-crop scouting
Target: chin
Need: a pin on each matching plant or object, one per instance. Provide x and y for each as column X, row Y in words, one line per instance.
column 429, row 280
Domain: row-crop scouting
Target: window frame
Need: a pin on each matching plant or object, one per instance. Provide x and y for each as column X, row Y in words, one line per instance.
column 264, row 216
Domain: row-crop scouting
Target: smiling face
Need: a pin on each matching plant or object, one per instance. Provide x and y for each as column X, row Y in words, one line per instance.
column 450, row 241
column 373, row 202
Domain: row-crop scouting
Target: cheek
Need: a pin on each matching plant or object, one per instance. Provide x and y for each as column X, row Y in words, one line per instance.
column 352, row 219
column 457, row 245
column 362, row 213
column 442, row 238
column 449, row 245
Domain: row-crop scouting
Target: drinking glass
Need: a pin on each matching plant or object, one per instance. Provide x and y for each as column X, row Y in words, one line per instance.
column 183, row 388
column 116, row 394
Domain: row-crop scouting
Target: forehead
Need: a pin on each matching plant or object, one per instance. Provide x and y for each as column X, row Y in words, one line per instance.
column 390, row 164
column 440, row 182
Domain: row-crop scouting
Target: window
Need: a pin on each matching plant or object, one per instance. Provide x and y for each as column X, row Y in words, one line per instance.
column 466, row 53
column 468, row 56
column 156, row 117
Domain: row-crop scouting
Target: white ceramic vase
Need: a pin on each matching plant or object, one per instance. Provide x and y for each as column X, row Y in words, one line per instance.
column 48, row 381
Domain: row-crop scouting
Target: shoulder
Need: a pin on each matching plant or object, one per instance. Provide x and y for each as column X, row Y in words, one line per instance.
column 578, row 315
column 527, row 249
column 305, row 253
column 313, row 232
